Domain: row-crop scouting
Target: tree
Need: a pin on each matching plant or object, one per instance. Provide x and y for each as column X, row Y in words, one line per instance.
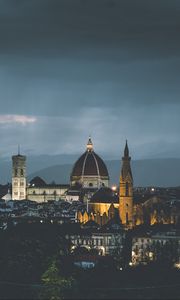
column 56, row 286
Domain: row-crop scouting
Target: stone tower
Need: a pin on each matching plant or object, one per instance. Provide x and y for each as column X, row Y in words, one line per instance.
column 18, row 177
column 126, row 191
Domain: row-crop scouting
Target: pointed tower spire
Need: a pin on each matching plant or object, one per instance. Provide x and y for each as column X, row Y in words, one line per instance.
column 126, row 150
column 89, row 144
column 126, row 190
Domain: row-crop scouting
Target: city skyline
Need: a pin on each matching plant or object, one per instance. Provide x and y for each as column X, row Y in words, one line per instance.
column 105, row 68
column 89, row 149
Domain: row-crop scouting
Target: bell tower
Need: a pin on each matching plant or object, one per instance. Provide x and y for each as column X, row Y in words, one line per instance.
column 126, row 190
column 18, row 177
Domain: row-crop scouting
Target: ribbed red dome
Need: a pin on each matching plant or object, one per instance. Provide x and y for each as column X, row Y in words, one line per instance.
column 90, row 164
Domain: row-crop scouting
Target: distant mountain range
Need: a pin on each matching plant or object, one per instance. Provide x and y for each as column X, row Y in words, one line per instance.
column 152, row 172
column 148, row 172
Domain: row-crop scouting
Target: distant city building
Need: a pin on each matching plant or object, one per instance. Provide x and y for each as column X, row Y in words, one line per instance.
column 38, row 190
column 18, row 177
column 107, row 240
column 89, row 185
column 89, row 170
column 103, row 203
column 103, row 200
column 162, row 247
column 126, row 190
column 156, row 209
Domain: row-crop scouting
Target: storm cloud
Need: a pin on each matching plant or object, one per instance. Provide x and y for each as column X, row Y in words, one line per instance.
column 106, row 68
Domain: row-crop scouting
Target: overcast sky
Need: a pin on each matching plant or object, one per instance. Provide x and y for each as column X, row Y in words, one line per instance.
column 70, row 68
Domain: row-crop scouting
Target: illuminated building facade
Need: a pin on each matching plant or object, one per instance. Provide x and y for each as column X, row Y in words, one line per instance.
column 18, row 177
column 126, row 190
column 89, row 185
column 163, row 247
column 89, row 171
column 107, row 240
column 105, row 201
column 38, row 190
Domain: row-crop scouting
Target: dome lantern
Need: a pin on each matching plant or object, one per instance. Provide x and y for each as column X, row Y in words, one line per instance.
column 89, row 145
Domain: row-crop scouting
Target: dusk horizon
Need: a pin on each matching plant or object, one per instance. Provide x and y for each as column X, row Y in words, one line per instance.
column 89, row 149
column 70, row 69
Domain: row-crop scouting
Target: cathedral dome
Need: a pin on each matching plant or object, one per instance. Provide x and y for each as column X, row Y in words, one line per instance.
column 90, row 167
column 89, row 164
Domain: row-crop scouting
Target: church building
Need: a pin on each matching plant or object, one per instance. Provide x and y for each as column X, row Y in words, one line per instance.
column 90, row 171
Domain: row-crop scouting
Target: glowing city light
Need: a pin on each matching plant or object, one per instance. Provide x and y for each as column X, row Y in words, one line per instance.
column 114, row 188
column 177, row 265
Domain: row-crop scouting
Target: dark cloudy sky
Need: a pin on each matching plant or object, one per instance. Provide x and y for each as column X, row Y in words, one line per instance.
column 109, row 68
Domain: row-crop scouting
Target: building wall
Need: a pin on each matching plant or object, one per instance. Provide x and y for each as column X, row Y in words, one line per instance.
column 19, row 177
column 126, row 201
column 90, row 181
column 46, row 193
column 71, row 198
column 158, row 247
column 106, row 243
column 101, row 208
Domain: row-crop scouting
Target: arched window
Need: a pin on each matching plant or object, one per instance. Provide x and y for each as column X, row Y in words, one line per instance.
column 127, row 189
